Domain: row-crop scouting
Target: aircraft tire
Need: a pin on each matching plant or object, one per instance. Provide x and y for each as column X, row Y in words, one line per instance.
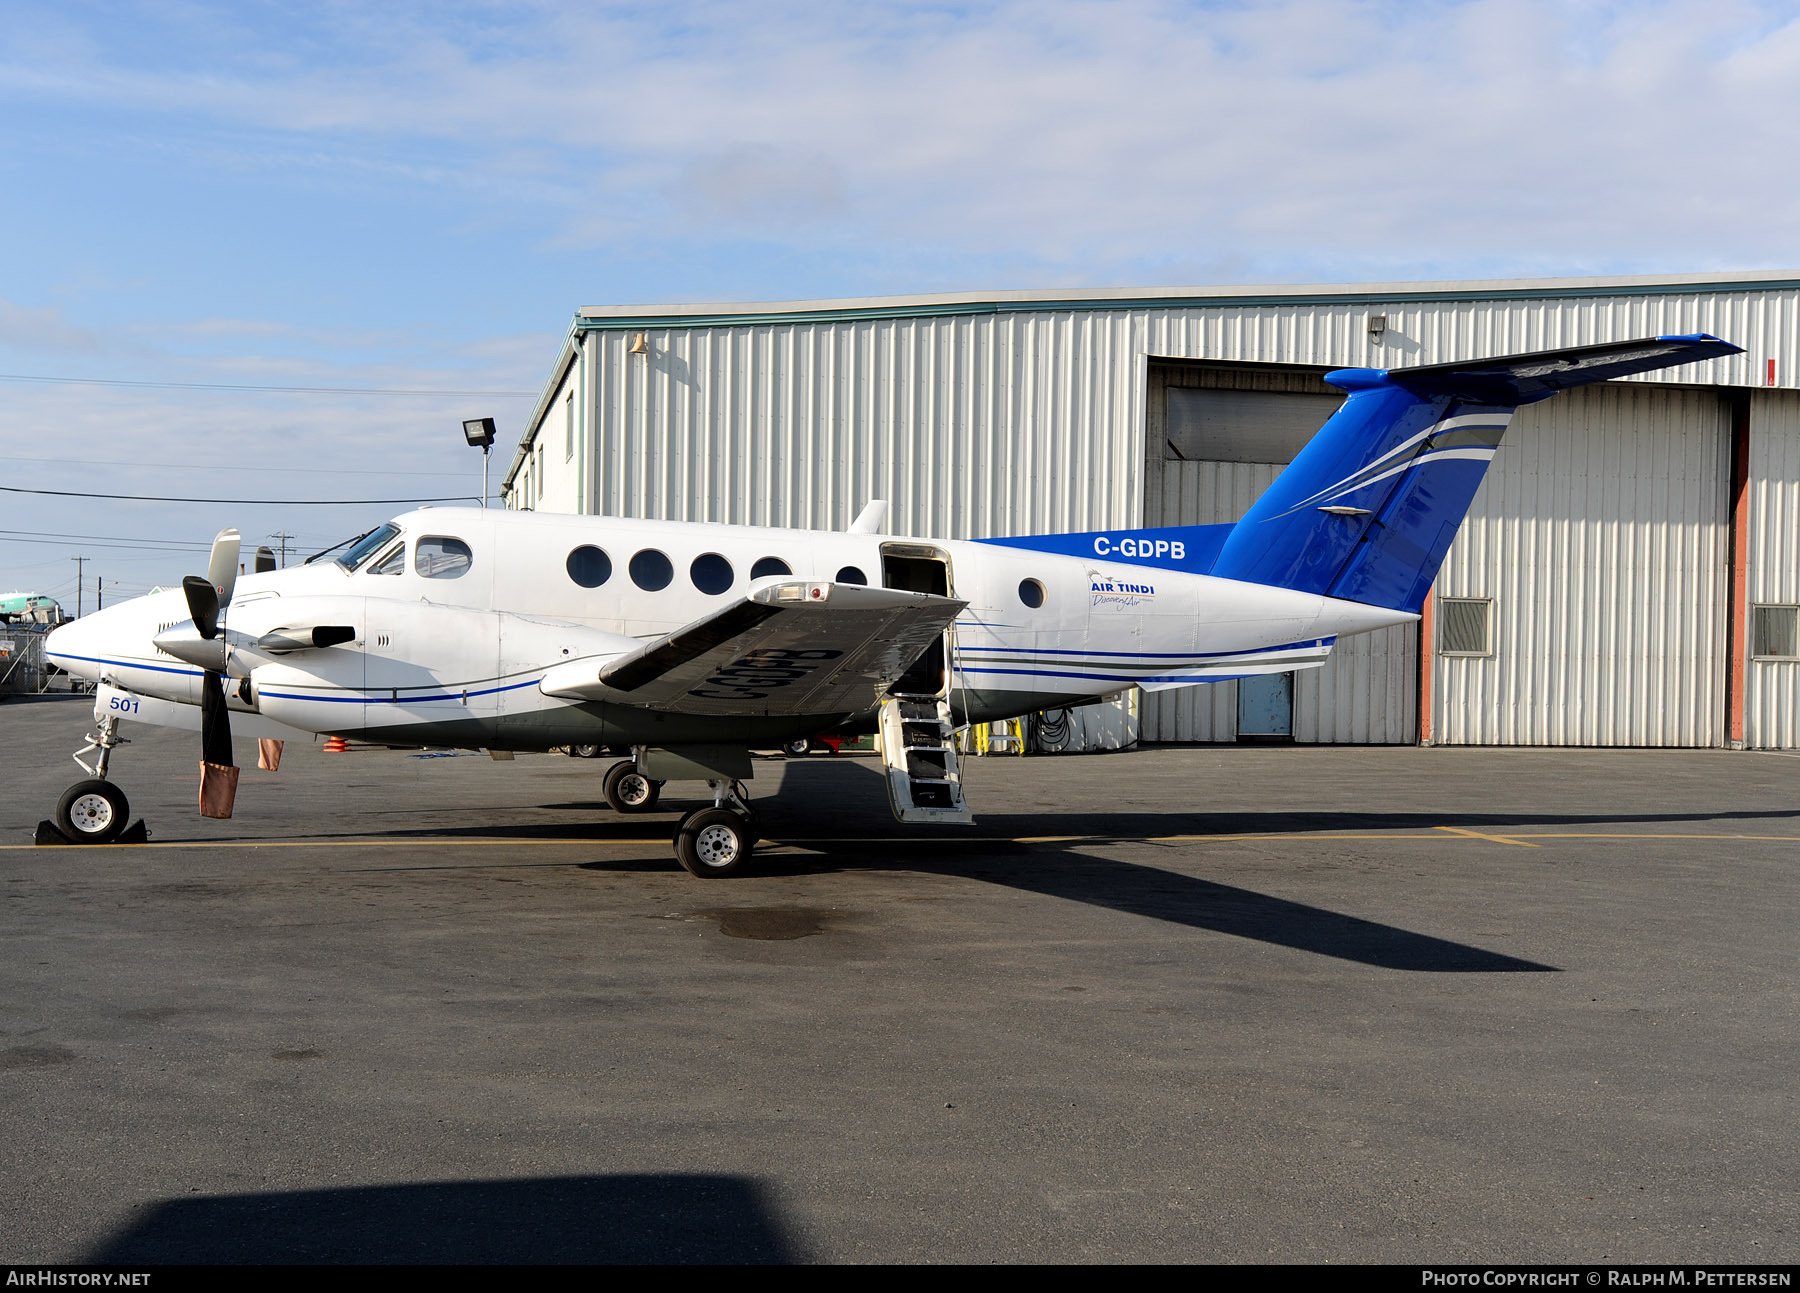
column 93, row 812
column 797, row 747
column 714, row 842
column 629, row 791
column 585, row 751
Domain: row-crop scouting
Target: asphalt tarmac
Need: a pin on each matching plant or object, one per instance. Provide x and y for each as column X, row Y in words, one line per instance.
column 1179, row 1004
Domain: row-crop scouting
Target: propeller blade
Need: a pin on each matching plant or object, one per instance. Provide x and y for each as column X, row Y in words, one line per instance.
column 265, row 560
column 203, row 604
column 223, row 568
column 215, row 722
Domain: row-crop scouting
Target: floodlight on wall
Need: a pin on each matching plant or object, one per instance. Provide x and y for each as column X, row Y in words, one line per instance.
column 479, row 432
column 1377, row 326
column 640, row 344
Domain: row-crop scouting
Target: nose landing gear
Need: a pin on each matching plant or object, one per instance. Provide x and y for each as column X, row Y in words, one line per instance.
column 94, row 811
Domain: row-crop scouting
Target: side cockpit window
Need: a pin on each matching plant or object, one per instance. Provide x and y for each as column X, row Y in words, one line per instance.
column 392, row 564
column 439, row 557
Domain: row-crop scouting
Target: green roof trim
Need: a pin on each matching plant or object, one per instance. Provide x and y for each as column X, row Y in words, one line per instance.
column 757, row 318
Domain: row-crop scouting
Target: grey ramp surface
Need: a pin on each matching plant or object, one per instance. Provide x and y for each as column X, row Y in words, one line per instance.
column 1180, row 1004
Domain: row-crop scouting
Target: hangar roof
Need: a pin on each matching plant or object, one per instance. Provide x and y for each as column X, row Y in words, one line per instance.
column 1119, row 298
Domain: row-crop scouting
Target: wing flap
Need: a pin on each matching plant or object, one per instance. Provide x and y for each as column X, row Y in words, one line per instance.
column 792, row 647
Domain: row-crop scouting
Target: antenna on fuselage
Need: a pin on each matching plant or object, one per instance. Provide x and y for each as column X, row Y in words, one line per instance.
column 871, row 519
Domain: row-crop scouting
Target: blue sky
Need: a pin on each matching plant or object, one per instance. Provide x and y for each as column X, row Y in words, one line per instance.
column 419, row 197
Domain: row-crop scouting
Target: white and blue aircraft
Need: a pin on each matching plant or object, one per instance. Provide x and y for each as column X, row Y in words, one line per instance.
column 691, row 644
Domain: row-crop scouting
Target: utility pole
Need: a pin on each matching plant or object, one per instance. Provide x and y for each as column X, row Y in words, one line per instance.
column 80, row 582
column 99, row 596
column 284, row 536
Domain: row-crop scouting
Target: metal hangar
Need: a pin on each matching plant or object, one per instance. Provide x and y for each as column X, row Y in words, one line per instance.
column 1629, row 575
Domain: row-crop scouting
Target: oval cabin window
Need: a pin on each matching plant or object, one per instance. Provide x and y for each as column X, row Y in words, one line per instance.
column 711, row 573
column 851, row 575
column 589, row 567
column 651, row 570
column 766, row 566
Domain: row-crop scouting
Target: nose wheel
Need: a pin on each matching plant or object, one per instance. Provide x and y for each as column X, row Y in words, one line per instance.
column 93, row 812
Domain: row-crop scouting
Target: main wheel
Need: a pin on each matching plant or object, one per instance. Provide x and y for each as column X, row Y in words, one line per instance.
column 798, row 746
column 630, row 791
column 92, row 812
column 584, row 751
column 714, row 842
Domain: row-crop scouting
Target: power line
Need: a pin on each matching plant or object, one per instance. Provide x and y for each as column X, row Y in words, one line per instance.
column 276, row 390
column 244, row 502
column 213, row 466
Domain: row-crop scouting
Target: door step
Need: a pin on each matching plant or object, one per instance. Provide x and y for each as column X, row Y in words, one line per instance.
column 918, row 747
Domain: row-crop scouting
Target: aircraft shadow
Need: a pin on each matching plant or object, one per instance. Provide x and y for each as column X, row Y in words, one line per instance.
column 588, row 1219
column 1059, row 870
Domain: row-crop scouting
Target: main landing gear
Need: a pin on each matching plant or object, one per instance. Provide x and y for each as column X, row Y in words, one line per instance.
column 630, row 791
column 94, row 811
column 718, row 841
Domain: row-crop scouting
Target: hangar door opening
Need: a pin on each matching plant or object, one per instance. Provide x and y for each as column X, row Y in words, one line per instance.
column 1218, row 434
column 1583, row 602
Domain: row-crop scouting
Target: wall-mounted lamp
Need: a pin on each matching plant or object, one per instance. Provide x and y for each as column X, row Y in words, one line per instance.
column 1377, row 326
column 640, row 344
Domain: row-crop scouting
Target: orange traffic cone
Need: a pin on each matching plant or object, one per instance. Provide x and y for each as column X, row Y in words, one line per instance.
column 336, row 745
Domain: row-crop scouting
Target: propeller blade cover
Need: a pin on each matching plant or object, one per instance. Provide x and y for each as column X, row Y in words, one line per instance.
column 223, row 568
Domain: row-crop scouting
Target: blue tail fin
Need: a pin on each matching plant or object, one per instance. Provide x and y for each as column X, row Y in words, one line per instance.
column 1367, row 510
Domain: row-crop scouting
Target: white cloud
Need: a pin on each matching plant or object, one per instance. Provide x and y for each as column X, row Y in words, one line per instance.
column 1511, row 132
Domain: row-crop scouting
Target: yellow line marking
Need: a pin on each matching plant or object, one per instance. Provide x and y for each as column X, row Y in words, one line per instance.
column 1661, row 835
column 1497, row 839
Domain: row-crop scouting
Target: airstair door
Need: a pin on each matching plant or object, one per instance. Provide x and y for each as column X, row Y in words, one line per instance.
column 918, row 738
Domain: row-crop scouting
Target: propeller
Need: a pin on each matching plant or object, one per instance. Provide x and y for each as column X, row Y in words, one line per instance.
column 207, row 599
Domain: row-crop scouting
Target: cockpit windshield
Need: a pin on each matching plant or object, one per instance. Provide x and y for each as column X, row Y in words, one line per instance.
column 366, row 547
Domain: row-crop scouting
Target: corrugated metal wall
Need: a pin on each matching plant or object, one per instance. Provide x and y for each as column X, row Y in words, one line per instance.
column 1601, row 535
column 1772, row 687
column 969, row 426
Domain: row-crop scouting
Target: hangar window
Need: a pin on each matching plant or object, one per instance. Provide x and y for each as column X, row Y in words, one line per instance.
column 1242, row 426
column 438, row 557
column 392, row 564
column 1031, row 592
column 1465, row 626
column 851, row 575
column 651, row 570
column 589, row 567
column 711, row 573
column 766, row 566
column 1775, row 633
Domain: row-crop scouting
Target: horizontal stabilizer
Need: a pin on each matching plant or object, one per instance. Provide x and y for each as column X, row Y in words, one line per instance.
column 1525, row 379
column 791, row 647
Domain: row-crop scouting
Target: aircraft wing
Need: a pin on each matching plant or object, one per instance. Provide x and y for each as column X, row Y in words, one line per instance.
column 793, row 647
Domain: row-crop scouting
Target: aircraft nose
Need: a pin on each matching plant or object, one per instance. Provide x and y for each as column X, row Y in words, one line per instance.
column 70, row 647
